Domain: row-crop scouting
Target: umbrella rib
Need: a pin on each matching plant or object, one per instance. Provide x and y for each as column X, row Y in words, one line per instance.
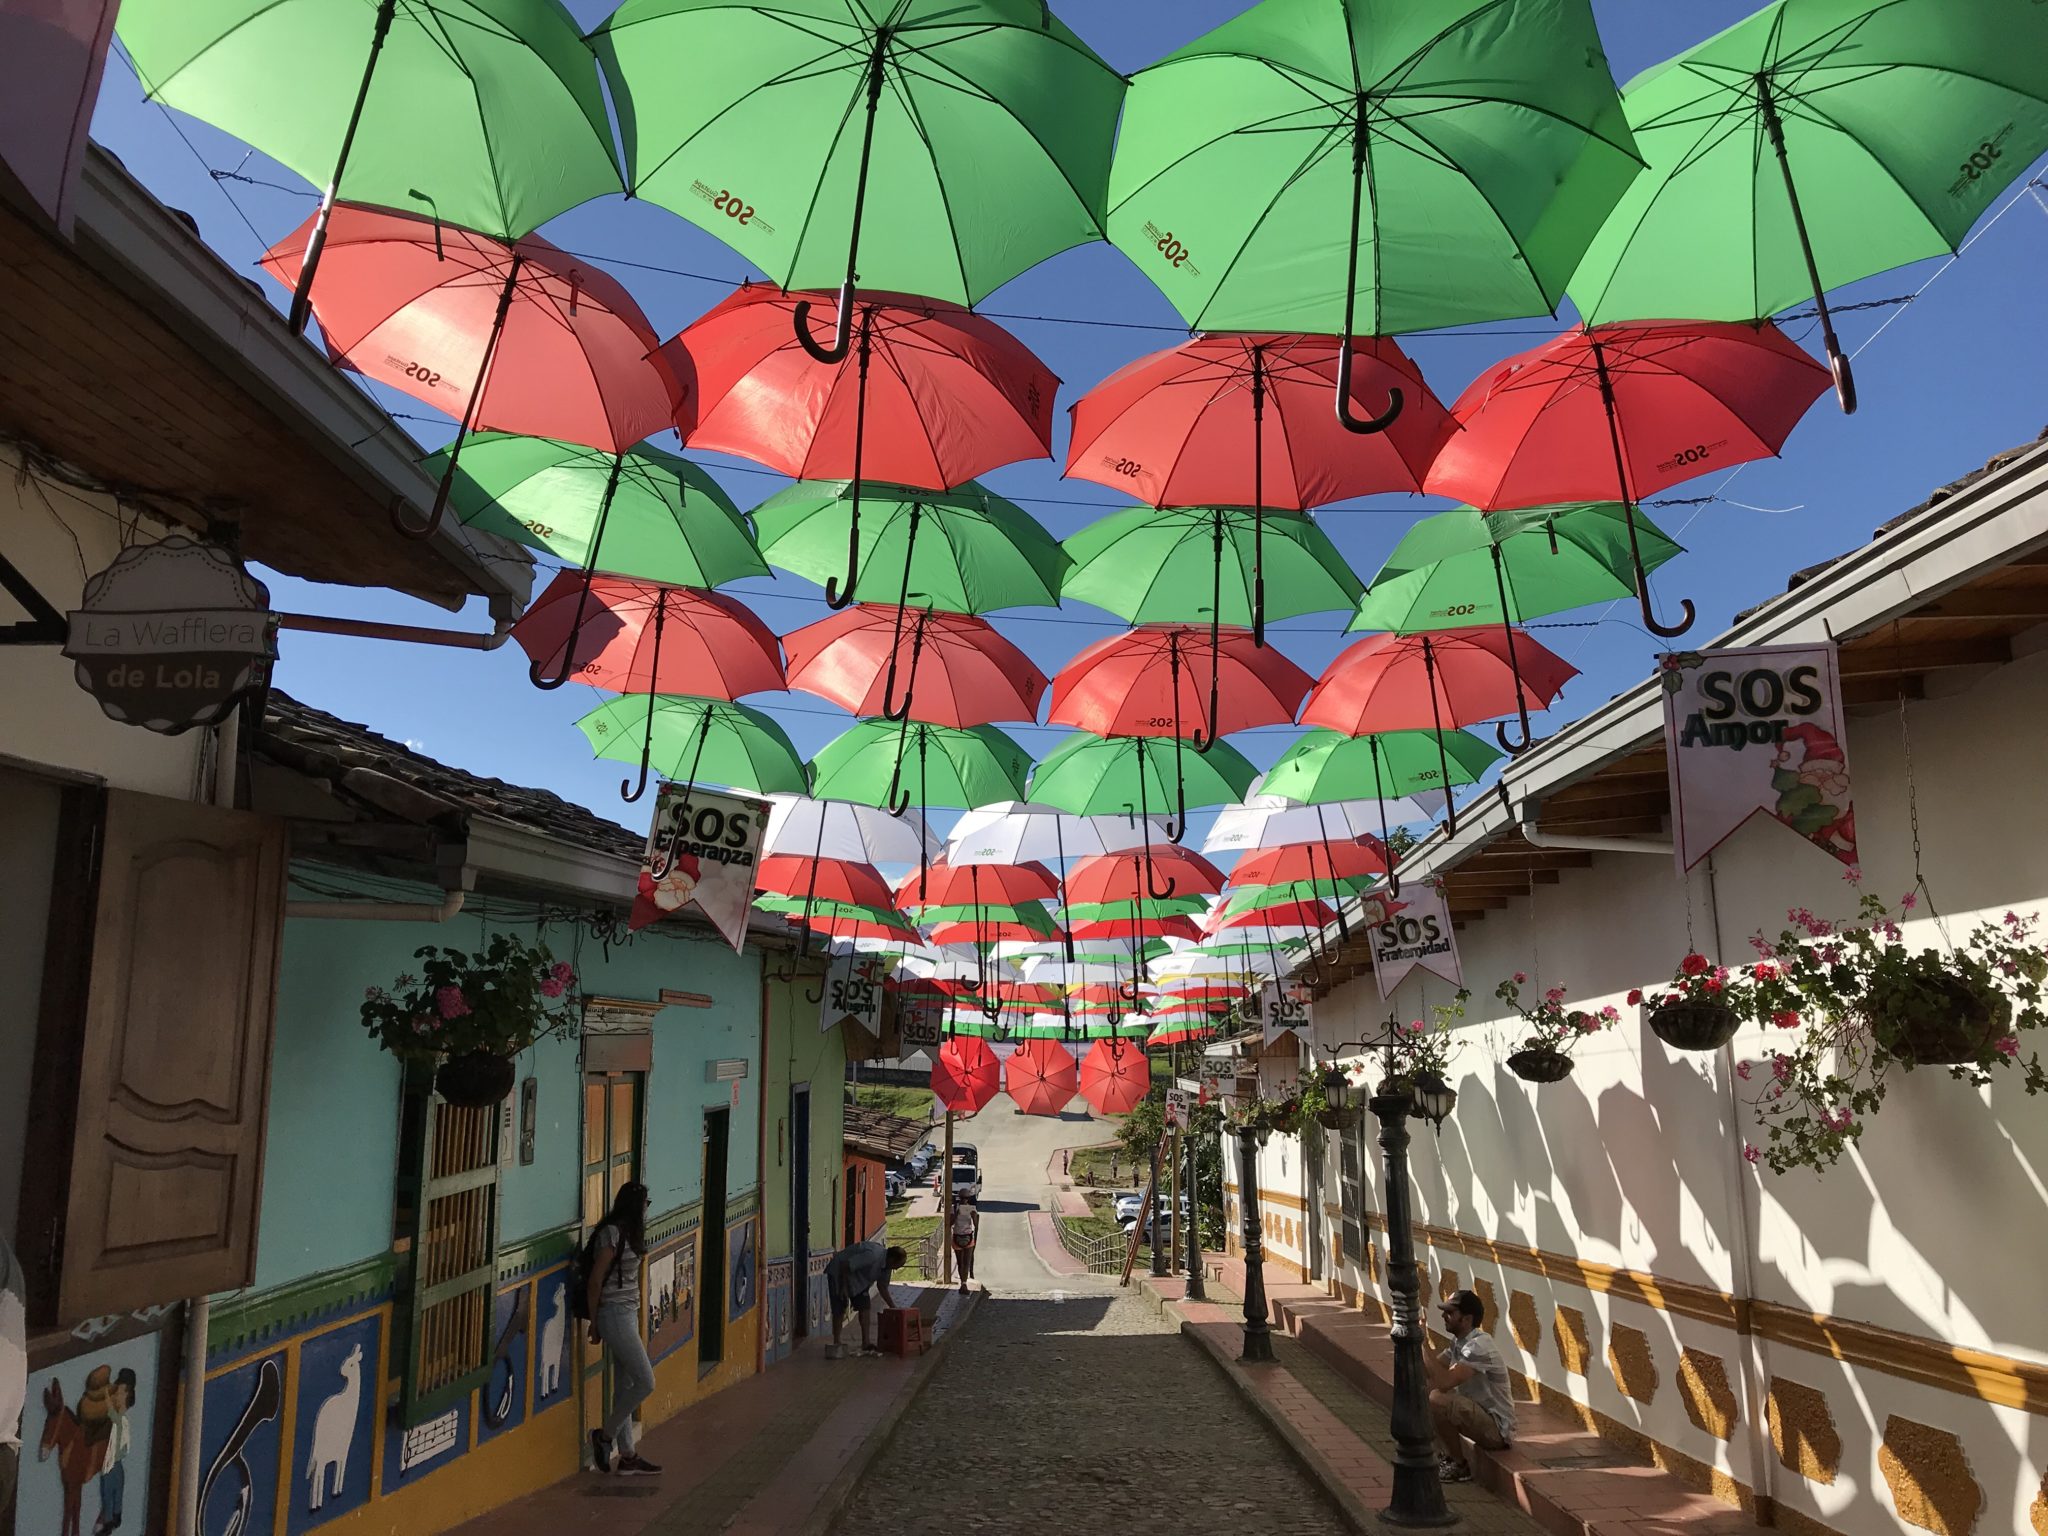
column 1316, row 157
column 888, row 357
column 1317, row 103
column 901, row 91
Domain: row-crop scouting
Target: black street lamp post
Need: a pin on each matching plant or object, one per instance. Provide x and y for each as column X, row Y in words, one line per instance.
column 1418, row 1496
column 1196, row 1290
column 1162, row 1264
column 1258, row 1333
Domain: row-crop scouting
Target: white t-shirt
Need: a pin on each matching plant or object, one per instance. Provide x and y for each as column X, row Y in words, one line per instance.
column 963, row 1222
column 1488, row 1384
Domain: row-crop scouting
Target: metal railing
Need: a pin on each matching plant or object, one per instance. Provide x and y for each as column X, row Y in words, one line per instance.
column 1102, row 1253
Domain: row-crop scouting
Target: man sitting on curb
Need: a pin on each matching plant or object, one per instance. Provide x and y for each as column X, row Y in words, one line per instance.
column 1468, row 1389
column 850, row 1275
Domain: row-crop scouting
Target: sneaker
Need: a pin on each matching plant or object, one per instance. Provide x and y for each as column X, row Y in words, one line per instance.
column 871, row 1352
column 1452, row 1469
column 637, row 1466
column 600, row 1450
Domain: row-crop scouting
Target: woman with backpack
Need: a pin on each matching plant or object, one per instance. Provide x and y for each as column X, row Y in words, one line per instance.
column 612, row 1303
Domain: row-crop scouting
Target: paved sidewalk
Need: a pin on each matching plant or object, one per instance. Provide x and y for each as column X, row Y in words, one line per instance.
column 778, row 1453
column 1329, row 1392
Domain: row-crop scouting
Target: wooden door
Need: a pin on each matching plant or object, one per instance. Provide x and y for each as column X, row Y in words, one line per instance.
column 152, row 1072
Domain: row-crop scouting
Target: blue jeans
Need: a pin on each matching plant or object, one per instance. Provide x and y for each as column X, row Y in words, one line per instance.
column 113, row 1482
column 632, row 1371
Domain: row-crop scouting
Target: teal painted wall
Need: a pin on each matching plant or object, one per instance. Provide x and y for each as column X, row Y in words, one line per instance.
column 331, row 1147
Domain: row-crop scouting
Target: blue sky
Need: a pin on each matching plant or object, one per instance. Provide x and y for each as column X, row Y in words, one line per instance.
column 1956, row 376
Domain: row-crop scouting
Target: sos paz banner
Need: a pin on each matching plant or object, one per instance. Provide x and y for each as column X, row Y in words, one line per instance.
column 1414, row 930
column 1756, row 730
column 701, row 852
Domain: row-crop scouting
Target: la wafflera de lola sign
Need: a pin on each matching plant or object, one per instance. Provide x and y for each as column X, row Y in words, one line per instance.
column 171, row 634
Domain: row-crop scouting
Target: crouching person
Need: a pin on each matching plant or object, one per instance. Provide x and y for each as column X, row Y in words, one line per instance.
column 851, row 1276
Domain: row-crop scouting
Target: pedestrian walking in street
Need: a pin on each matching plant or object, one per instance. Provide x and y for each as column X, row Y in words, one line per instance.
column 849, row 1277
column 966, row 1225
column 1067, row 1162
column 1468, row 1389
column 613, row 1306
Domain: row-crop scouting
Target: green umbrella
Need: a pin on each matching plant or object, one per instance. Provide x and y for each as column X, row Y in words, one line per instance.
column 1027, row 914
column 1159, row 564
column 980, row 553
column 1463, row 567
column 1328, row 765
column 1467, row 150
column 697, row 741
column 976, row 132
column 487, row 111
column 823, row 906
column 1124, row 911
column 1254, row 898
column 643, row 512
column 1813, row 144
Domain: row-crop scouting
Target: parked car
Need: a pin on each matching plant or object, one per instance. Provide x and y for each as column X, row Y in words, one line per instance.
column 920, row 1161
column 966, row 1152
column 1125, row 1204
column 894, row 1185
column 966, row 1180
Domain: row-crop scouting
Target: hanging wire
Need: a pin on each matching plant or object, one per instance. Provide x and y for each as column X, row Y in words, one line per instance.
column 1912, row 789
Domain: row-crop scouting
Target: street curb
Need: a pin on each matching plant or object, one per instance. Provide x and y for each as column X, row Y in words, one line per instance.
column 839, row 1492
column 1354, row 1509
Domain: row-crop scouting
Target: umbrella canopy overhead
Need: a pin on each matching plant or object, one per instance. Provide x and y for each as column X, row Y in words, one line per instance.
column 1095, row 776
column 1115, row 1077
column 644, row 637
column 1017, row 831
column 933, row 765
column 1120, row 877
column 1273, row 821
column 1371, row 166
column 939, row 146
column 1311, row 861
column 830, row 829
column 698, row 741
column 795, row 874
column 1041, row 1075
column 947, row 883
column 953, row 668
column 1792, row 153
column 1151, row 682
column 644, row 512
column 966, row 549
column 1431, row 681
column 1158, row 565
column 1324, row 766
column 1177, row 428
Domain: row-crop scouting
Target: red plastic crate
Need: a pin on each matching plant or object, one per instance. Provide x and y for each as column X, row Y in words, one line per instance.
column 901, row 1331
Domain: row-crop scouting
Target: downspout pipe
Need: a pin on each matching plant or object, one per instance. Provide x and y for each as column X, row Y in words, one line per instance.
column 414, row 634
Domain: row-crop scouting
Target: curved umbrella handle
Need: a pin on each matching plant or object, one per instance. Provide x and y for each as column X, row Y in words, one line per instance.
column 1202, row 743
column 816, row 997
column 1154, row 891
column 837, row 596
column 549, row 684
column 1363, row 426
column 1845, row 382
column 1650, row 619
column 842, row 329
column 899, row 805
column 1511, row 746
column 628, row 790
column 1128, row 991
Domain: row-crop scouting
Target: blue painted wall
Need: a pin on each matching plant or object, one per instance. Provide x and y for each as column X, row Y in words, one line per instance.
column 331, row 1151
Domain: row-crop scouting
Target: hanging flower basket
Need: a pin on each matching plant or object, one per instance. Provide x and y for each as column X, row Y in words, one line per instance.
column 1540, row 1064
column 1690, row 1024
column 1929, row 1016
column 1400, row 1085
column 475, row 1080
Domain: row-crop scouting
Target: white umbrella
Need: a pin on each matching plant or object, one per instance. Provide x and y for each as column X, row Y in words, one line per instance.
column 839, row 829
column 1017, row 831
column 1268, row 821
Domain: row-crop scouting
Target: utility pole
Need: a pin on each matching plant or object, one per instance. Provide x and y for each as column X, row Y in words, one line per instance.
column 946, row 1207
column 1160, row 1251
column 1418, row 1495
column 1173, row 1195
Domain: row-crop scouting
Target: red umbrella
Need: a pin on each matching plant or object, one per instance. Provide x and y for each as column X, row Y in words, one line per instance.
column 522, row 337
column 988, row 931
column 1339, row 859
column 1623, row 411
column 1178, row 1033
column 1041, row 1076
column 1289, row 914
column 946, row 885
column 957, row 667
column 1115, row 1077
column 1142, row 683
column 1121, row 876
column 1202, row 992
column 834, row 927
column 795, row 874
column 953, row 395
column 965, row 1074
column 648, row 637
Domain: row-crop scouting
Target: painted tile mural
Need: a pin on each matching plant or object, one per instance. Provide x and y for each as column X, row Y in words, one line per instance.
column 672, row 1298
column 239, row 1448
column 502, row 1403
column 337, row 1385
column 89, row 1417
column 415, row 1451
column 554, row 1378
column 739, row 1289
column 781, row 1331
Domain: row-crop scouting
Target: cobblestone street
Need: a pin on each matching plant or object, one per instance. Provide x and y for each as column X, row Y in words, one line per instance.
column 1085, row 1412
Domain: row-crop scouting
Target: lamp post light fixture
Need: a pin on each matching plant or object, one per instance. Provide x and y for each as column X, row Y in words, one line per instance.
column 1418, row 1494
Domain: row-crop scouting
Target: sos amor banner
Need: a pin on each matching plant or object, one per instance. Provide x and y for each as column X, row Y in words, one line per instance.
column 701, row 853
column 1410, row 931
column 1756, row 731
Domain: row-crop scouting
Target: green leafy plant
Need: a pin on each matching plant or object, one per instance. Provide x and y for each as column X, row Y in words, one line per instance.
column 497, row 1000
column 1859, row 1002
column 1264, row 1116
column 1428, row 1045
column 1553, row 1028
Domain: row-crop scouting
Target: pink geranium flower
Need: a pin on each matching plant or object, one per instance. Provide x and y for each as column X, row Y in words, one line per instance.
column 1695, row 965
column 451, row 1002
column 1750, row 1153
column 2009, row 1047
column 563, row 972
column 552, row 986
column 1520, row 978
column 1742, row 1070
column 1909, row 901
column 1635, row 996
column 1786, row 1018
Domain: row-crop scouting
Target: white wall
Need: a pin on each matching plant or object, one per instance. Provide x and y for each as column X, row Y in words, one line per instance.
column 1936, row 1227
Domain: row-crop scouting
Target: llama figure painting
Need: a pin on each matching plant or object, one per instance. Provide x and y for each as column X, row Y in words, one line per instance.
column 334, row 1432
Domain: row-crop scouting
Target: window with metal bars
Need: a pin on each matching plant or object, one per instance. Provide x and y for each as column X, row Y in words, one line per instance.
column 448, row 1209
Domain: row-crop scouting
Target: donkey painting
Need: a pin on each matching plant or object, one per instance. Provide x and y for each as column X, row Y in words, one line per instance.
column 79, row 1452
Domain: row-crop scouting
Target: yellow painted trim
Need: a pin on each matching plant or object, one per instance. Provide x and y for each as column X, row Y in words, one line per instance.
column 1972, row 1373
column 287, row 1433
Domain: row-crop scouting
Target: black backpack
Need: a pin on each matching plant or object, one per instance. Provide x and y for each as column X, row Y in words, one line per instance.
column 579, row 1276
